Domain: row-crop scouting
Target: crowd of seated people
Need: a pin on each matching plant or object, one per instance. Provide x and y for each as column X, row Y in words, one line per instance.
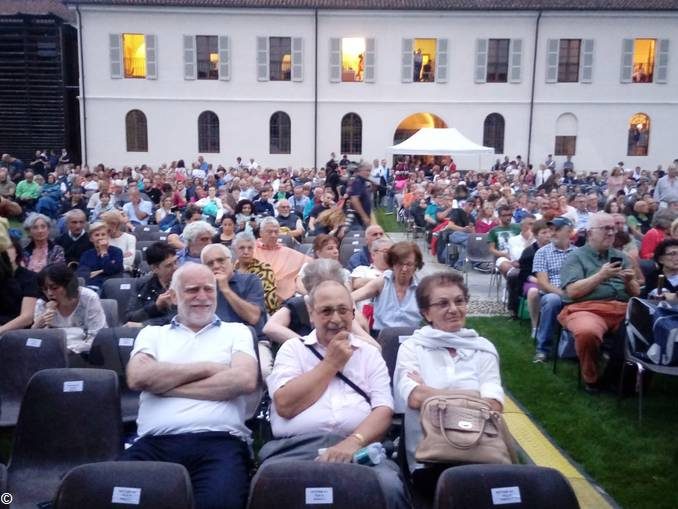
column 253, row 254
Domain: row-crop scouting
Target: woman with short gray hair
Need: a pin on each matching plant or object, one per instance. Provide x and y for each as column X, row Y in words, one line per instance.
column 40, row 251
column 243, row 245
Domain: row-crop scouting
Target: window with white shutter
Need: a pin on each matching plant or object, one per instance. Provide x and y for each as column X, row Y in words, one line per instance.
column 586, row 72
column 480, row 67
column 189, row 58
column 115, row 55
column 335, row 60
column 662, row 70
column 151, row 57
column 262, row 59
column 515, row 73
column 552, row 50
column 370, row 60
column 441, row 61
column 297, row 59
column 224, row 58
column 626, row 61
column 407, row 64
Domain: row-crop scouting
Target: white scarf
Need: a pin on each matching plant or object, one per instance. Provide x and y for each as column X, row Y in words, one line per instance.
column 463, row 339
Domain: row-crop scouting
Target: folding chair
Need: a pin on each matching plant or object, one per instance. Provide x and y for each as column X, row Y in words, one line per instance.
column 478, row 251
column 110, row 307
column 22, row 354
column 68, row 417
column 345, row 253
column 121, row 290
column 389, row 339
column 147, row 232
column 151, row 484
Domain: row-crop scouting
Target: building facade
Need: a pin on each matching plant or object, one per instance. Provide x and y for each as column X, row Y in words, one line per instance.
column 288, row 86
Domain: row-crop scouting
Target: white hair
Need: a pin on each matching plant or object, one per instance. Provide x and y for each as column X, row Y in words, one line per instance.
column 192, row 230
column 33, row 218
column 175, row 284
column 597, row 219
column 211, row 247
column 268, row 220
column 243, row 237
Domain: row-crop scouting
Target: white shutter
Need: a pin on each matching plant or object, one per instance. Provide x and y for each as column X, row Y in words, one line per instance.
column 661, row 73
column 515, row 61
column 115, row 55
column 151, row 56
column 626, row 61
column 335, row 60
column 407, row 67
column 297, row 59
column 586, row 61
column 189, row 57
column 224, row 58
column 262, row 59
column 480, row 68
column 552, row 56
column 441, row 61
column 370, row 59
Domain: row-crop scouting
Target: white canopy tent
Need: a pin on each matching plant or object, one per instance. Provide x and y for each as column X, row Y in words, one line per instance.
column 441, row 142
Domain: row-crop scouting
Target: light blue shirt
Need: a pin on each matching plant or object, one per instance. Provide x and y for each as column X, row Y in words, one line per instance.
column 389, row 311
column 144, row 206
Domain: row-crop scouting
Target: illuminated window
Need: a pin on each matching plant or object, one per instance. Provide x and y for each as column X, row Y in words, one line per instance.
column 493, row 132
column 639, row 135
column 351, row 134
column 643, row 61
column 280, row 133
column 568, row 61
column 134, row 52
column 352, row 59
column 207, row 56
column 208, row 132
column 280, row 58
column 497, row 62
column 136, row 131
column 424, row 60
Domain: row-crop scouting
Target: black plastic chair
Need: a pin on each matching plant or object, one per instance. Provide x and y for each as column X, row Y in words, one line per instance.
column 346, row 251
column 297, row 483
column 492, row 486
column 142, row 484
column 121, row 290
column 389, row 339
column 68, row 417
column 111, row 349
column 22, row 354
column 147, row 232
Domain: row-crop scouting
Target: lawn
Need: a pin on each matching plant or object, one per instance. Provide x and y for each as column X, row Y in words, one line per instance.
column 388, row 221
column 637, row 466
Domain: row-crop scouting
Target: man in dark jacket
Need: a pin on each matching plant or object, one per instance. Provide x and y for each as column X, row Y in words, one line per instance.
column 75, row 241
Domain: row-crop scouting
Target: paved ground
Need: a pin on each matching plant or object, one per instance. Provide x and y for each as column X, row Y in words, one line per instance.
column 483, row 301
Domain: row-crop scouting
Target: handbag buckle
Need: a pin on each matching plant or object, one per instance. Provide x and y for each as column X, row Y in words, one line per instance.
column 465, row 424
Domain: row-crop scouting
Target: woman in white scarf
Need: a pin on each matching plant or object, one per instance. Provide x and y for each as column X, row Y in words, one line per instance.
column 443, row 357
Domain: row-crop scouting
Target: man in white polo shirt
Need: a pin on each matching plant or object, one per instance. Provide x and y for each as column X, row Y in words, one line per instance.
column 194, row 374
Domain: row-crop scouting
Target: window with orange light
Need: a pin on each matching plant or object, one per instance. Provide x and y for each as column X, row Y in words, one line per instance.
column 643, row 60
column 352, row 59
column 639, row 135
column 424, row 60
column 207, row 56
column 134, row 53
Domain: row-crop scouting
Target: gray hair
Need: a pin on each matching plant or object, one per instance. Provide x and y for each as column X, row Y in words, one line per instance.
column 380, row 244
column 310, row 298
column 211, row 247
column 663, row 218
column 33, row 218
column 175, row 284
column 243, row 237
column 322, row 269
column 74, row 212
column 192, row 230
column 596, row 219
column 268, row 220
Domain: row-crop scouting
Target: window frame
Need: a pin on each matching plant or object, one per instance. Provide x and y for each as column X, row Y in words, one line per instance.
column 563, row 143
column 351, row 134
column 136, row 131
column 280, row 129
column 125, row 74
column 204, row 60
column 493, row 47
column 208, row 132
column 491, row 130
column 275, row 67
column 568, row 65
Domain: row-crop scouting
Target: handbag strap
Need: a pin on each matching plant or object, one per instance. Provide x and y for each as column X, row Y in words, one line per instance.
column 340, row 375
column 442, row 407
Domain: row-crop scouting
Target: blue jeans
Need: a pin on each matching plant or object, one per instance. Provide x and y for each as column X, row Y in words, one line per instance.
column 459, row 239
column 550, row 305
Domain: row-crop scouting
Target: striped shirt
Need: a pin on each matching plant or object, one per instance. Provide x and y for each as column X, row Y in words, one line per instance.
column 550, row 259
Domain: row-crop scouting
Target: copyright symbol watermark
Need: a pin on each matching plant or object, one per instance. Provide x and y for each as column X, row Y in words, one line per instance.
column 6, row 498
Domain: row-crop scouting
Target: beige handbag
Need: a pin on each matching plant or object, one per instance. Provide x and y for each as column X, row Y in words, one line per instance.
column 462, row 428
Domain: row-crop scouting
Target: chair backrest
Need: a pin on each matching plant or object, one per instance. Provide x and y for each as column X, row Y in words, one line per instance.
column 112, row 346
column 110, row 307
column 288, row 241
column 25, row 352
column 68, row 417
column 346, row 251
column 300, row 483
column 142, row 245
column 142, row 484
column 121, row 290
column 389, row 339
column 521, row 486
column 477, row 248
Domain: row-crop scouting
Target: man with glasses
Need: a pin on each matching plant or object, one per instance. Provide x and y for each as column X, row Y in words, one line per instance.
column 290, row 222
column 598, row 282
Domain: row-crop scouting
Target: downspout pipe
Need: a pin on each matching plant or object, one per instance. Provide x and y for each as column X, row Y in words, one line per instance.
column 315, row 95
column 534, row 78
column 83, row 107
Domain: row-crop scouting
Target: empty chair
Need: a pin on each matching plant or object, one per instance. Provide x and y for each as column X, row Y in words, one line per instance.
column 121, row 290
column 147, row 232
column 68, row 417
column 299, row 483
column 110, row 307
column 111, row 349
column 142, row 484
column 478, row 251
column 389, row 339
column 491, row 486
column 23, row 353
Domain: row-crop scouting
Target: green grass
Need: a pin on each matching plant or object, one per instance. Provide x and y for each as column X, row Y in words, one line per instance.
column 637, row 466
column 388, row 221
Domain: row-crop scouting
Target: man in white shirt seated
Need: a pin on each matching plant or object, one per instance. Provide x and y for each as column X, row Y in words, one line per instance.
column 195, row 374
column 315, row 409
column 137, row 210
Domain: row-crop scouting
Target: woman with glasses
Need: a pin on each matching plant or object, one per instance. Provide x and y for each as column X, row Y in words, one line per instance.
column 440, row 358
column 666, row 258
column 394, row 301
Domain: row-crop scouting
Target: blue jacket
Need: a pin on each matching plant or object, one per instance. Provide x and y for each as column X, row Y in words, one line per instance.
column 111, row 264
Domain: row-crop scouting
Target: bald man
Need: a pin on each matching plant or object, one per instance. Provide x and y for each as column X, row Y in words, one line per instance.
column 363, row 257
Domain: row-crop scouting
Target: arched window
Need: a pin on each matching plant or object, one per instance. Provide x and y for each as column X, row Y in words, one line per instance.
column 566, row 135
column 280, row 131
column 136, row 130
column 351, row 134
column 208, row 132
column 493, row 132
column 639, row 135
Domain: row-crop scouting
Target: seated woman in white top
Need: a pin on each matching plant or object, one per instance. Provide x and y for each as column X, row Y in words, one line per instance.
column 442, row 357
column 126, row 242
column 68, row 306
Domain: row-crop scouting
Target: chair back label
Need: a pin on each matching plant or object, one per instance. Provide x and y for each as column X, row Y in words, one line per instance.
column 123, row 495
column 34, row 342
column 319, row 496
column 126, row 342
column 508, row 495
column 74, row 386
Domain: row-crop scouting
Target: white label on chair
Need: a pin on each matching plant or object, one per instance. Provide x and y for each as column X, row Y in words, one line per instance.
column 34, row 342
column 123, row 495
column 510, row 495
column 126, row 342
column 163, row 237
column 319, row 496
column 147, row 229
column 125, row 286
column 74, row 386
column 355, row 242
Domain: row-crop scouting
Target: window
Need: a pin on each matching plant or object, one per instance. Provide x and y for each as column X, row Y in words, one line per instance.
column 134, row 51
column 352, row 59
column 280, row 133
column 497, row 62
column 565, row 146
column 566, row 135
column 207, row 56
column 493, row 132
column 208, row 132
column 280, row 58
column 351, row 134
column 643, row 61
column 136, row 131
column 424, row 52
column 568, row 60
column 639, row 135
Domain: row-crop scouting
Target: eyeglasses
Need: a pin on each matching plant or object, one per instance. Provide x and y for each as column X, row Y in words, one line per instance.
column 447, row 304
column 671, row 253
column 328, row 311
